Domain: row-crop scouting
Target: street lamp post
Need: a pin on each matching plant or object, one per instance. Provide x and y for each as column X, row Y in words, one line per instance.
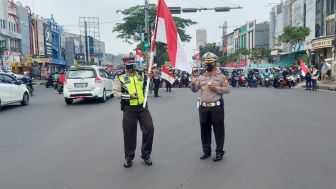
column 179, row 10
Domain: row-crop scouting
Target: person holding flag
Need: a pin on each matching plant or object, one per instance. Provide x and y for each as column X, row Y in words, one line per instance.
column 129, row 87
column 213, row 86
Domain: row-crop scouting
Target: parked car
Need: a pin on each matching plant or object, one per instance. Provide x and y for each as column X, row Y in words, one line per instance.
column 12, row 91
column 87, row 82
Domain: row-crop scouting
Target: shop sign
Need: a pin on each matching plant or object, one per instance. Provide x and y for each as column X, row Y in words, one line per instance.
column 322, row 43
column 47, row 40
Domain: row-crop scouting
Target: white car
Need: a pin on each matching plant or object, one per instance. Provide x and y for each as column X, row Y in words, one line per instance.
column 87, row 82
column 12, row 91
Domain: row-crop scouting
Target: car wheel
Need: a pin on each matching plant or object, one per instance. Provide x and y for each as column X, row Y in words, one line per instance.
column 25, row 99
column 103, row 99
column 68, row 101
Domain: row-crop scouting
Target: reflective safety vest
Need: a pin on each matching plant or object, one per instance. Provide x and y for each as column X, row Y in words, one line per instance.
column 134, row 84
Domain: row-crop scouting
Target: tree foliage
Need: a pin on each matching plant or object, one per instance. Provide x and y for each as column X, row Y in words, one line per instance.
column 234, row 57
column 132, row 28
column 210, row 47
column 294, row 35
column 258, row 54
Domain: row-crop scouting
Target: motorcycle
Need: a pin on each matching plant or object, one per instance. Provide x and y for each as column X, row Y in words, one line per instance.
column 50, row 83
column 60, row 88
column 292, row 80
column 242, row 81
column 284, row 81
column 29, row 84
column 234, row 80
column 267, row 81
column 30, row 88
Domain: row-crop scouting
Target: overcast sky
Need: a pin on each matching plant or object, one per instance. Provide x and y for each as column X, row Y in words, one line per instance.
column 67, row 12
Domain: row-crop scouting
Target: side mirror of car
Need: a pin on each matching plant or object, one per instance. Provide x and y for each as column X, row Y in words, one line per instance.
column 19, row 82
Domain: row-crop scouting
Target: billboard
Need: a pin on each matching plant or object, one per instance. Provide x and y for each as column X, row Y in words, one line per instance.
column 40, row 37
column 47, row 40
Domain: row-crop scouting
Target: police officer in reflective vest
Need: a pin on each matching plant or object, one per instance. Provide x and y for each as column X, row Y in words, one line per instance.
column 213, row 86
column 129, row 87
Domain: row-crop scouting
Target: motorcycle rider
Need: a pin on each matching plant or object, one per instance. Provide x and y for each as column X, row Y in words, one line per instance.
column 61, row 80
column 28, row 82
column 234, row 80
column 50, row 81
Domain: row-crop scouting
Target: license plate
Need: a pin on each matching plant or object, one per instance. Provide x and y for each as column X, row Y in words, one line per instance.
column 80, row 85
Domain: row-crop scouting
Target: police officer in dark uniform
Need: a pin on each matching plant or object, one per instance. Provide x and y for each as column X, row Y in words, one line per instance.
column 213, row 86
column 129, row 87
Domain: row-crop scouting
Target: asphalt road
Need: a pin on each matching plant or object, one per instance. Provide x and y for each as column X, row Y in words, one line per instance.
column 276, row 139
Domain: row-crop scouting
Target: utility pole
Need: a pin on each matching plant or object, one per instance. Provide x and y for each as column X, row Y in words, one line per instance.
column 224, row 42
column 86, row 44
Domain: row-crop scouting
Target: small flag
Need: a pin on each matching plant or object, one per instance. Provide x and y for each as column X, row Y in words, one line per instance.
column 304, row 67
column 167, row 75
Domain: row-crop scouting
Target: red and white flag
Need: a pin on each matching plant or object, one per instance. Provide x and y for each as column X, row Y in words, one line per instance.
column 139, row 54
column 304, row 67
column 167, row 75
column 166, row 32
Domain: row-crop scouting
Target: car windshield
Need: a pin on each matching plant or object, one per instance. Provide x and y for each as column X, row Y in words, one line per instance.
column 81, row 73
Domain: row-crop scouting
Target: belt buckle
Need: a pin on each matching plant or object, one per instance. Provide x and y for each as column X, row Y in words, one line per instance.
column 208, row 105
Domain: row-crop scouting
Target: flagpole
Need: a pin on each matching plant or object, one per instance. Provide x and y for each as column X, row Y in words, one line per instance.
column 151, row 55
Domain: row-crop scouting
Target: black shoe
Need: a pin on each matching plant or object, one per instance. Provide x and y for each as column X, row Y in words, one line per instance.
column 128, row 163
column 205, row 156
column 218, row 157
column 147, row 160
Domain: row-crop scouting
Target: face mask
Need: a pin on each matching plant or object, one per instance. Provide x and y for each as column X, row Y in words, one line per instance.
column 129, row 67
column 209, row 67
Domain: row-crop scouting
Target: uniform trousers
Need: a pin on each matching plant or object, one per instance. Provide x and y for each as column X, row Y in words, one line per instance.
column 212, row 117
column 131, row 116
column 156, row 87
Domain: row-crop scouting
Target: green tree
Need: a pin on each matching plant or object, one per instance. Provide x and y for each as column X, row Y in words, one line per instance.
column 243, row 52
column 294, row 35
column 132, row 28
column 233, row 57
column 210, row 47
column 258, row 54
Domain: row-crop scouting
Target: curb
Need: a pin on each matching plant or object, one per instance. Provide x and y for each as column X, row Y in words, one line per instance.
column 327, row 88
column 39, row 83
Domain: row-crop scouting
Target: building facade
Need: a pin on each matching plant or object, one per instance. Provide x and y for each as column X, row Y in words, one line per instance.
column 201, row 38
column 10, row 36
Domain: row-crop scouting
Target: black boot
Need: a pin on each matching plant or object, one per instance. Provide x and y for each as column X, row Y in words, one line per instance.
column 218, row 157
column 147, row 160
column 205, row 156
column 128, row 163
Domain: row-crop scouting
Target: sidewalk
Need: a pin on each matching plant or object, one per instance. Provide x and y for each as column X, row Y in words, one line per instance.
column 325, row 85
column 39, row 82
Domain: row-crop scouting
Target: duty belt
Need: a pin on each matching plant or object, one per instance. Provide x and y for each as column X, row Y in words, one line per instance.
column 211, row 104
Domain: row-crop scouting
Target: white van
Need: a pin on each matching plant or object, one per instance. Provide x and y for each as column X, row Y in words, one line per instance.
column 87, row 82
